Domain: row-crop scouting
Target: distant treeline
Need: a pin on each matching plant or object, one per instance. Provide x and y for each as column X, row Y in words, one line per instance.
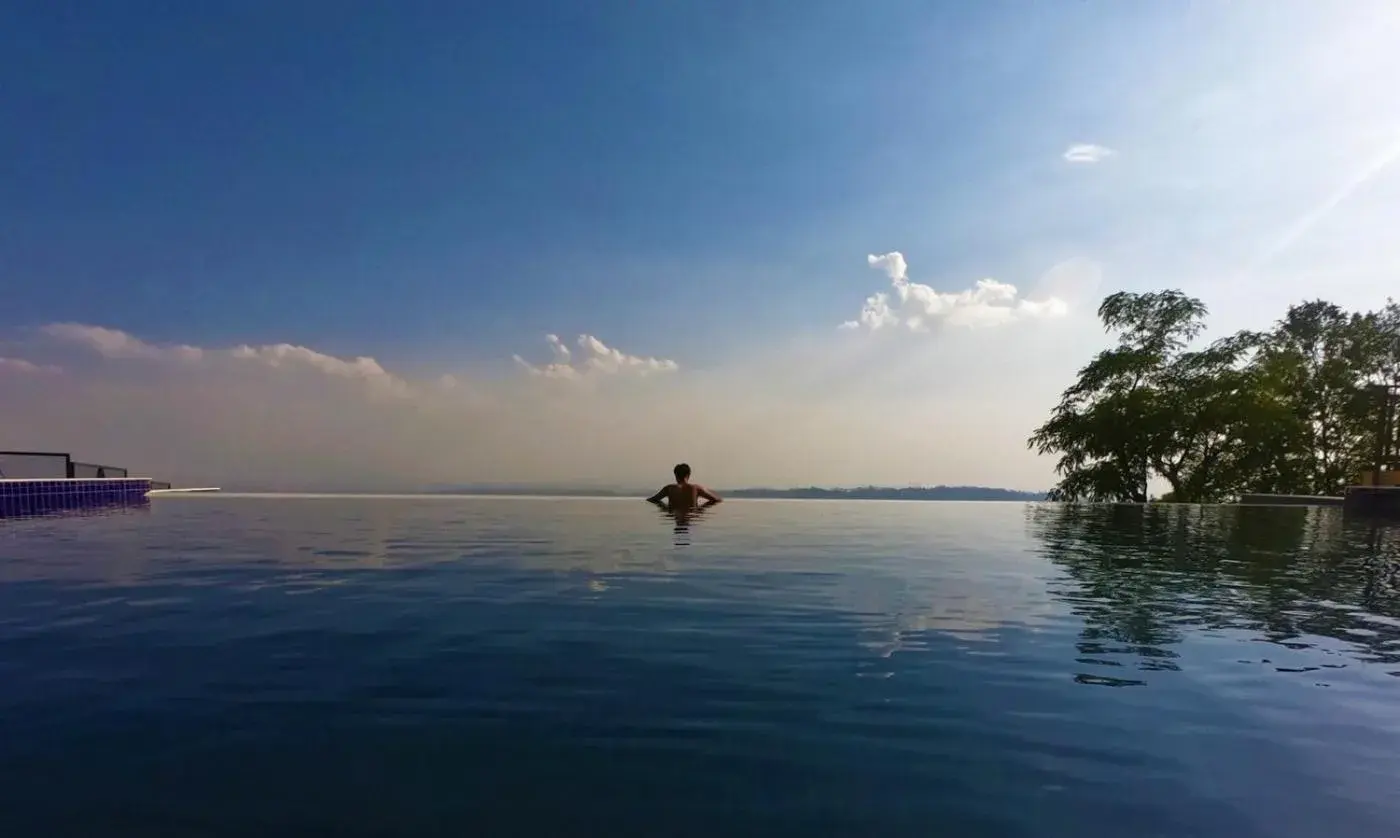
column 810, row 493
column 535, row 491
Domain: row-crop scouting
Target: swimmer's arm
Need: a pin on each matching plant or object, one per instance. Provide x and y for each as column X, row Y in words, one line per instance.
column 659, row 496
column 710, row 497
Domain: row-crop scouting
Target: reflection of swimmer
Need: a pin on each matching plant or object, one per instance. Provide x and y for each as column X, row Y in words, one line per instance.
column 684, row 495
column 682, row 518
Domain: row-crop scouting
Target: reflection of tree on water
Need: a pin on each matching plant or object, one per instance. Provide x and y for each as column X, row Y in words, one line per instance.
column 1144, row 577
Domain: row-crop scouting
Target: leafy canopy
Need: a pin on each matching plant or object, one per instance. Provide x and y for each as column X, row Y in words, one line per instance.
column 1290, row 410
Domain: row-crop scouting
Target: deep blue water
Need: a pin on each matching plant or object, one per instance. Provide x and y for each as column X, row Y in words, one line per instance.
column 449, row 666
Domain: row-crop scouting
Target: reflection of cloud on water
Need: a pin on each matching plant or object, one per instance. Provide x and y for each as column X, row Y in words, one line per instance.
column 897, row 582
column 965, row 604
column 297, row 540
column 906, row 632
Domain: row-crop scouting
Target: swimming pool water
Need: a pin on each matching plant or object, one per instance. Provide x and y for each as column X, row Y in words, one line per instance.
column 467, row 666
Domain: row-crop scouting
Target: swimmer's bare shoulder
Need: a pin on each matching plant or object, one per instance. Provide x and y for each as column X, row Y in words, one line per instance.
column 664, row 494
column 709, row 497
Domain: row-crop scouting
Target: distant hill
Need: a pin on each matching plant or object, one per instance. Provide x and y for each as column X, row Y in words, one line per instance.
column 536, row 490
column 984, row 493
column 891, row 493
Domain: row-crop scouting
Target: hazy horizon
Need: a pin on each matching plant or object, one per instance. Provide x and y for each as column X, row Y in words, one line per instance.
column 413, row 245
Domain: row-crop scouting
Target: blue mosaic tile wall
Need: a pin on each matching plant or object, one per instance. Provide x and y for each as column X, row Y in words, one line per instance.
column 33, row 497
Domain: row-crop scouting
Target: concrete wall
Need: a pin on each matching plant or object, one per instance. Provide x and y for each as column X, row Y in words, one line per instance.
column 1373, row 502
column 1290, row 500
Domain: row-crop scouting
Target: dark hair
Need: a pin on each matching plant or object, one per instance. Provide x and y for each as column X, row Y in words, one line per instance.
column 682, row 472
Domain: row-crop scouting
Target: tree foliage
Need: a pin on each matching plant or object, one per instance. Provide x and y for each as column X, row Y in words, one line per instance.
column 1289, row 410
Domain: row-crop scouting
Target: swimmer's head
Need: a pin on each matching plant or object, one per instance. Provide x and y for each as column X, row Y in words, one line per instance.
column 682, row 473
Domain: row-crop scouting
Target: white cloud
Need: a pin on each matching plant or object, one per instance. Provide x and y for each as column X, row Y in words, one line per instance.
column 23, row 367
column 876, row 314
column 561, row 352
column 1088, row 153
column 291, row 357
column 597, row 358
column 112, row 343
column 118, row 345
column 919, row 307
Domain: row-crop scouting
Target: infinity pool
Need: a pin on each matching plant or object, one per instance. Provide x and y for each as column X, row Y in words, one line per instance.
column 459, row 666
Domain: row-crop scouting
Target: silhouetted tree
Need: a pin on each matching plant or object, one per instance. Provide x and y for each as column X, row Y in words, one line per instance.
column 1287, row 410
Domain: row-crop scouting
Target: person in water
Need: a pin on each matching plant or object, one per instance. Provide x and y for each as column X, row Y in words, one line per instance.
column 683, row 495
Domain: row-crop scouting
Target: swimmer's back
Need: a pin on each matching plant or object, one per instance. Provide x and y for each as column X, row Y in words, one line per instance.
column 683, row 494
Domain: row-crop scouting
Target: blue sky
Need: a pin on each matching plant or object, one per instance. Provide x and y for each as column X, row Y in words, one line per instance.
column 186, row 173
column 438, row 186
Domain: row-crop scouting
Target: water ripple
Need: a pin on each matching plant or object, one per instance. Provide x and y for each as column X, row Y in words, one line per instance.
column 399, row 665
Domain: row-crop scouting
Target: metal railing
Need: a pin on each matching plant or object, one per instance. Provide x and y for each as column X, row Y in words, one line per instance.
column 35, row 465
column 53, row 465
column 88, row 471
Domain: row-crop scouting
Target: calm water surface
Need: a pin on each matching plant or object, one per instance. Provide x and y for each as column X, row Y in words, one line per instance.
column 449, row 666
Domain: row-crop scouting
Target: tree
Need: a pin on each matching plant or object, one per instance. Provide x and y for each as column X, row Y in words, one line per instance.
column 1320, row 357
column 1211, row 409
column 1110, row 425
column 1379, row 346
column 1292, row 410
